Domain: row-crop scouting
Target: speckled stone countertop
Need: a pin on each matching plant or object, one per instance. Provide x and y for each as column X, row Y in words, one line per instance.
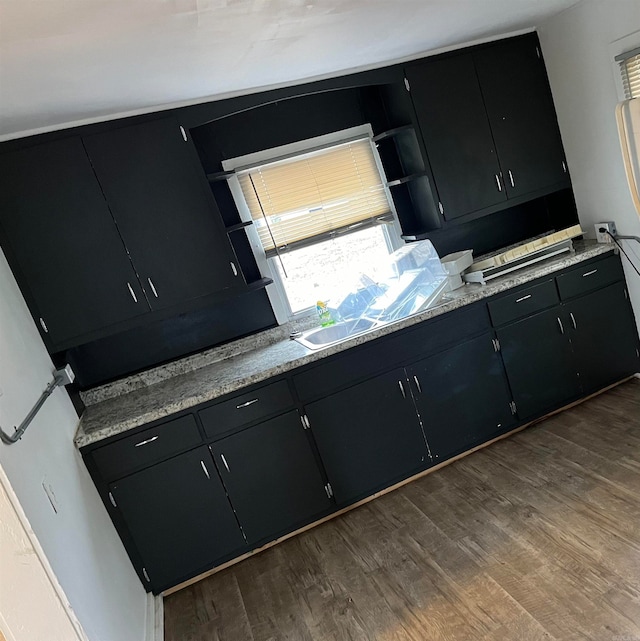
column 115, row 408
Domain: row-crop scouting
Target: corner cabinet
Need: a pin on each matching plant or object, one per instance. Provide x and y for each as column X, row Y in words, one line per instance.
column 489, row 125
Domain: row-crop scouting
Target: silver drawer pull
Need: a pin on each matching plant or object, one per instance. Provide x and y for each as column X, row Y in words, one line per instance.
column 561, row 325
column 147, row 441
column 224, row 460
column 401, row 386
column 593, row 271
column 251, row 402
column 417, row 382
column 153, row 288
column 498, row 182
column 205, row 470
column 519, row 300
column 573, row 320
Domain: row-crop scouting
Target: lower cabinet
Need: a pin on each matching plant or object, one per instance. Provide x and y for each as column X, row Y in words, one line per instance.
column 179, row 516
column 272, row 477
column 368, row 436
column 462, row 396
column 539, row 362
column 603, row 334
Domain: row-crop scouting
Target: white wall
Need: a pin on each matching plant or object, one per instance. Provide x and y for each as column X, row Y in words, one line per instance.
column 79, row 540
column 23, row 574
column 577, row 47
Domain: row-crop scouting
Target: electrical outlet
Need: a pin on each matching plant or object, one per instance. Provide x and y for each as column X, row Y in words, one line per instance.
column 601, row 231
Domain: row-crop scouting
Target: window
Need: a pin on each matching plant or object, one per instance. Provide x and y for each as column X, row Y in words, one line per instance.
column 321, row 213
column 630, row 69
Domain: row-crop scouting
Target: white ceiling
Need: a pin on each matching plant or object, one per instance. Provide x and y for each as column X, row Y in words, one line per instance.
column 66, row 61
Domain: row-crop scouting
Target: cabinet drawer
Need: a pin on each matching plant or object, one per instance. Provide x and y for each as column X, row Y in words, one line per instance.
column 146, row 448
column 246, row 408
column 523, row 303
column 590, row 277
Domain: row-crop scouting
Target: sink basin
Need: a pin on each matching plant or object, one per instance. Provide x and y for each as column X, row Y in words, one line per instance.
column 325, row 336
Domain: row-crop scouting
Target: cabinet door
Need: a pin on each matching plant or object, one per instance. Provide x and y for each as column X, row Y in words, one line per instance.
column 272, row 477
column 59, row 231
column 604, row 336
column 539, row 362
column 368, row 435
column 179, row 517
column 449, row 107
column 462, row 396
column 170, row 224
column 523, row 119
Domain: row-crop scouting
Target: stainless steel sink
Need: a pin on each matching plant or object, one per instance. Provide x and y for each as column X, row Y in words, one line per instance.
column 324, row 336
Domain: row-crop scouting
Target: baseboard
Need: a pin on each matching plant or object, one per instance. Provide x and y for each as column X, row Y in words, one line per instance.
column 155, row 618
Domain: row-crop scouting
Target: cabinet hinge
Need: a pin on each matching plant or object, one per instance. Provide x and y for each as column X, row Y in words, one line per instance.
column 406, row 84
column 113, row 501
column 304, row 419
column 329, row 490
column 513, row 407
column 538, row 51
column 184, row 133
column 441, row 208
column 496, row 344
column 146, row 576
column 44, row 326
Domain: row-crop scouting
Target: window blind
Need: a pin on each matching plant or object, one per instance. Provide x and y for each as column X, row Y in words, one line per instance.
column 305, row 199
column 630, row 67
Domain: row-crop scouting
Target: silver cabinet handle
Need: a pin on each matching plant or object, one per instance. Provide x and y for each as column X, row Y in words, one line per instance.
column 153, row 288
column 224, row 460
column 498, row 182
column 527, row 297
column 561, row 325
column 564, row 166
column 133, row 294
column 401, row 386
column 417, row 382
column 251, row 402
column 513, row 184
column 593, row 271
column 234, row 269
column 147, row 441
column 44, row 326
column 573, row 320
column 205, row 470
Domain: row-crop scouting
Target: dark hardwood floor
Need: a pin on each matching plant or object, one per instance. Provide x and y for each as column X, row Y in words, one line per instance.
column 534, row 537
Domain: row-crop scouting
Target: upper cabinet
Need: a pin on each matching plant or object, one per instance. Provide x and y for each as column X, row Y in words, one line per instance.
column 105, row 228
column 164, row 210
column 456, row 132
column 488, row 125
column 522, row 116
column 64, row 249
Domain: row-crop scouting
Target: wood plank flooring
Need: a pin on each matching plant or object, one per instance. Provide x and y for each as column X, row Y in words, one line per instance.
column 534, row 537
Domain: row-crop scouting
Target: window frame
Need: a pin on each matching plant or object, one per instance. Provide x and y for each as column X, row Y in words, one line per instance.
column 277, row 291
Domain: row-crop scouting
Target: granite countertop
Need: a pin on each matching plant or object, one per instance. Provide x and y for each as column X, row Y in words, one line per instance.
column 142, row 398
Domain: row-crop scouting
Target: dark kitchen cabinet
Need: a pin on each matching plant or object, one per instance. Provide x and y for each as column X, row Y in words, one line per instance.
column 450, row 110
column 368, row 436
column 164, row 211
column 462, row 396
column 604, row 337
column 489, row 125
column 522, row 116
column 178, row 516
column 539, row 362
column 63, row 247
column 272, row 477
